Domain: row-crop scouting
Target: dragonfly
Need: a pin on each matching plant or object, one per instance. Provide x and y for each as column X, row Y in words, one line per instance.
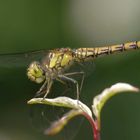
column 55, row 64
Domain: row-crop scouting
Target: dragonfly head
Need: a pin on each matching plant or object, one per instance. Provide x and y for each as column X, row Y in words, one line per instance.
column 35, row 72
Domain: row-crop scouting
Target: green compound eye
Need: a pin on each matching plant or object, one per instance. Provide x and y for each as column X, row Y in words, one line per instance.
column 35, row 72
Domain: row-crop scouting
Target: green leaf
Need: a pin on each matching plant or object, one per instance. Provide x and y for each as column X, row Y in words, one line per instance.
column 58, row 125
column 101, row 99
column 77, row 108
column 62, row 102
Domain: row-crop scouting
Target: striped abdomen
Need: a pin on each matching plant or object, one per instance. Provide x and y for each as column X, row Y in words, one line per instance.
column 90, row 53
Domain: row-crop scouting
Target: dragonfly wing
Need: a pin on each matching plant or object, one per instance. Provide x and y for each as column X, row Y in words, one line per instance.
column 79, row 71
column 21, row 59
column 88, row 67
column 42, row 117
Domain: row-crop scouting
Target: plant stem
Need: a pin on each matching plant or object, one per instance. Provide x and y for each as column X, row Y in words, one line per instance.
column 94, row 124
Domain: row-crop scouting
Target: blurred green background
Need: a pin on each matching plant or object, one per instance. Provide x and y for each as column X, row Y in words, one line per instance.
column 30, row 25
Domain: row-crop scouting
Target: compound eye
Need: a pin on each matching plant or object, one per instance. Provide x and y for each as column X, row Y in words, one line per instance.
column 35, row 72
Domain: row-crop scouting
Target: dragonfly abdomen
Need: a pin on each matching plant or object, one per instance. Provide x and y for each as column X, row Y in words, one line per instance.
column 90, row 53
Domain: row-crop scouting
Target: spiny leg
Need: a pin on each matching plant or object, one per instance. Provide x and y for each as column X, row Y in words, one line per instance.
column 39, row 94
column 49, row 85
column 74, row 81
column 77, row 73
column 63, row 82
column 40, row 91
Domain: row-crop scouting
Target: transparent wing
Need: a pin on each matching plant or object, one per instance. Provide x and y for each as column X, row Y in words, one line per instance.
column 21, row 59
column 42, row 117
column 87, row 67
column 78, row 72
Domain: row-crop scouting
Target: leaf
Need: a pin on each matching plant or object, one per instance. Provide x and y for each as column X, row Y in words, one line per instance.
column 62, row 102
column 58, row 125
column 101, row 99
column 78, row 108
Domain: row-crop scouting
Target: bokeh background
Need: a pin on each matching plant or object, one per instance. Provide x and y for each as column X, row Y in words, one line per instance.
column 27, row 25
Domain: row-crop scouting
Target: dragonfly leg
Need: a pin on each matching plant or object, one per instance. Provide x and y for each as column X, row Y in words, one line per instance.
column 77, row 73
column 49, row 85
column 74, row 81
column 63, row 82
column 40, row 91
column 39, row 94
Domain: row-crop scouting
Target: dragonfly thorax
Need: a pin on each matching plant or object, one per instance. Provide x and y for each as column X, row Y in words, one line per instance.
column 57, row 61
column 35, row 72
